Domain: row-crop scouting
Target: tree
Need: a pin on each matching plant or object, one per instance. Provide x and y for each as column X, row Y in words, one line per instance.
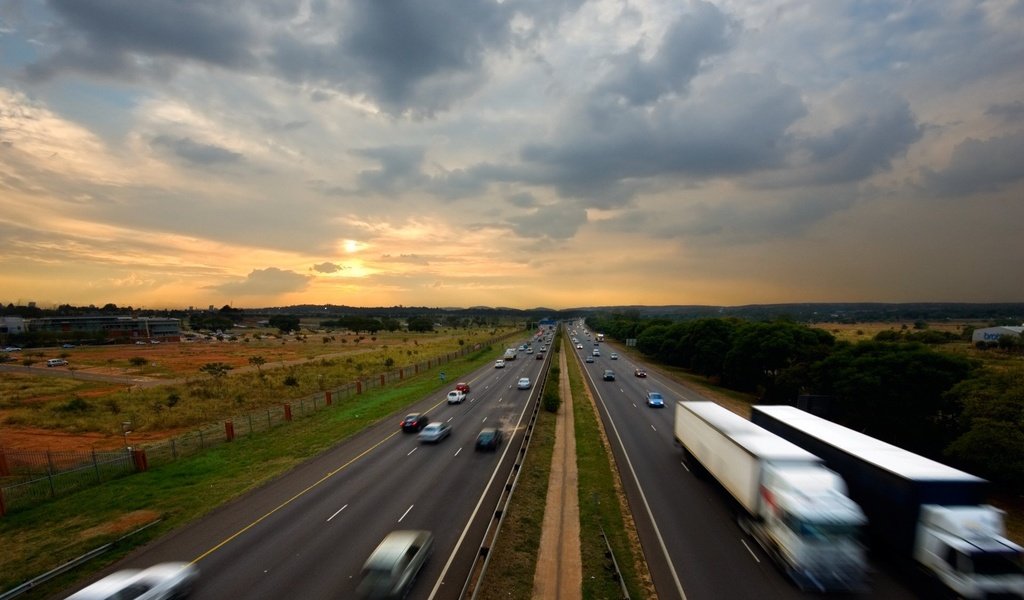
column 895, row 392
column 992, row 425
column 424, row 324
column 284, row 323
column 216, row 369
column 258, row 362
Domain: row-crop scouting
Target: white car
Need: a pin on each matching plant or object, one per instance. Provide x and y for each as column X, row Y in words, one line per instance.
column 579, row 346
column 524, row 383
column 614, row 356
column 456, row 397
column 499, row 364
column 435, row 432
column 166, row 580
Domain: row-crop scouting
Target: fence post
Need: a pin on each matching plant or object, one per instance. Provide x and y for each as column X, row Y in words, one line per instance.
column 359, row 387
column 229, row 430
column 327, row 398
column 5, row 470
column 3, row 509
column 139, row 458
column 202, row 440
column 401, row 373
column 416, row 368
column 250, row 424
column 287, row 412
column 382, row 379
column 95, row 466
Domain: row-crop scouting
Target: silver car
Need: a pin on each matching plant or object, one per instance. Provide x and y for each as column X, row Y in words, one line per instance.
column 165, row 580
column 392, row 568
column 435, row 432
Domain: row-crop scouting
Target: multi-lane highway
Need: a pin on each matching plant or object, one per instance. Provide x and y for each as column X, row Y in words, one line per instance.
column 308, row 533
column 691, row 540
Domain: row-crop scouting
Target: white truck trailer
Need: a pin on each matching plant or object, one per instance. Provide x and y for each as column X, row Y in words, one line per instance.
column 795, row 507
column 920, row 511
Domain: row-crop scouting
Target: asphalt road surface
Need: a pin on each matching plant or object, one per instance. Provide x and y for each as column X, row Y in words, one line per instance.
column 307, row 533
column 693, row 544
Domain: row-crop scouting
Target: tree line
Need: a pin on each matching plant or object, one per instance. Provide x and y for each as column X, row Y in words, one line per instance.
column 945, row 406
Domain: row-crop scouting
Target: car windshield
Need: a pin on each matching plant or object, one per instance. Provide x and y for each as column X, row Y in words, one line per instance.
column 486, row 436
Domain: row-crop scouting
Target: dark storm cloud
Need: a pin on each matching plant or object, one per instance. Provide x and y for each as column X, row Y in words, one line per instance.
column 560, row 221
column 400, row 169
column 979, row 166
column 196, row 152
column 268, row 281
column 106, row 36
column 689, row 41
column 735, row 128
column 406, row 56
column 1010, row 112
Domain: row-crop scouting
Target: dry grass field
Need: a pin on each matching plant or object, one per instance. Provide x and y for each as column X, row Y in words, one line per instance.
column 161, row 390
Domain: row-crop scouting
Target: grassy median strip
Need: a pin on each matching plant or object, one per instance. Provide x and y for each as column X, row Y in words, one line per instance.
column 38, row 539
column 513, row 563
column 600, row 507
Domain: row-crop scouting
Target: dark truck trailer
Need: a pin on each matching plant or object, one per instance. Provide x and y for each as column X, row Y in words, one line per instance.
column 918, row 510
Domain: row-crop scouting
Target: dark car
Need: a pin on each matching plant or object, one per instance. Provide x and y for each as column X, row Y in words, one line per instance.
column 639, row 373
column 413, row 422
column 489, row 439
column 540, row 357
column 609, row 375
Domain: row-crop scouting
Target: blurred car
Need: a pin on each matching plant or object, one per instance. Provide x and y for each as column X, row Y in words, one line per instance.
column 12, row 349
column 540, row 357
column 609, row 375
column 524, row 383
column 589, row 359
column 165, row 580
column 391, row 569
column 456, row 397
column 596, row 352
column 639, row 373
column 579, row 346
column 614, row 356
column 463, row 387
column 529, row 350
column 488, row 439
column 654, row 400
column 499, row 364
column 67, row 346
column 435, row 432
column 414, row 422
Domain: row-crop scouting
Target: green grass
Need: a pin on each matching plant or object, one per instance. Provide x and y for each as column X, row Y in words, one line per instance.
column 40, row 538
column 600, row 507
column 513, row 561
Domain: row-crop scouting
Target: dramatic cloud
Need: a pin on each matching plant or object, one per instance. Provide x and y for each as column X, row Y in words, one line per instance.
column 266, row 282
column 458, row 152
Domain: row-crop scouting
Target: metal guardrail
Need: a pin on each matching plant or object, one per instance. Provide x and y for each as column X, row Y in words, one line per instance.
column 471, row 587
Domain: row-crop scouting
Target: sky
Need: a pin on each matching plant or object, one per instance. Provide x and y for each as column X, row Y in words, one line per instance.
column 516, row 153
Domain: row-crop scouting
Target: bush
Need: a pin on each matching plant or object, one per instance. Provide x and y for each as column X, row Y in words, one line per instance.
column 75, row 405
column 137, row 361
column 552, row 399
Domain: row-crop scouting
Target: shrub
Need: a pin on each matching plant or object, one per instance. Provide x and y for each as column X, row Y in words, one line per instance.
column 291, row 381
column 552, row 400
column 75, row 405
column 137, row 361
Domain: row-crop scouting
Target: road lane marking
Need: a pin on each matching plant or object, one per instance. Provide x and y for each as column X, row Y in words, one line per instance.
column 457, row 451
column 411, row 451
column 336, row 513
column 485, row 418
column 654, row 428
column 290, row 500
column 744, row 542
column 684, row 466
column 405, row 513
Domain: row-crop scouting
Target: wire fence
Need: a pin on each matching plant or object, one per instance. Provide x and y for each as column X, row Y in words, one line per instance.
column 28, row 477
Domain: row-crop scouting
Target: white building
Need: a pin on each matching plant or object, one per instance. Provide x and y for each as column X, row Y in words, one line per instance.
column 12, row 325
column 991, row 335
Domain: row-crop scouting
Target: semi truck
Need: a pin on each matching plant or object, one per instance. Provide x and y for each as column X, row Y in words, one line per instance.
column 920, row 512
column 795, row 508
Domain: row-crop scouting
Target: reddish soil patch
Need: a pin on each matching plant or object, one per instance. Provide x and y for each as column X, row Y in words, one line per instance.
column 124, row 524
column 27, row 438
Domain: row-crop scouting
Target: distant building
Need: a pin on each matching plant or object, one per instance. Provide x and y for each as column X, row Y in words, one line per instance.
column 991, row 335
column 12, row 325
column 112, row 328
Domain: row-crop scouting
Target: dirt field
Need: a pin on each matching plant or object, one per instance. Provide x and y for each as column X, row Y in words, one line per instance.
column 132, row 367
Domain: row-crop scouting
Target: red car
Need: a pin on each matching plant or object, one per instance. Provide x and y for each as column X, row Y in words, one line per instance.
column 640, row 373
column 462, row 386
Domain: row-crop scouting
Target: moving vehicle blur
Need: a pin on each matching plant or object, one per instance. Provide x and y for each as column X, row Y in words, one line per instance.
column 391, row 569
column 165, row 580
column 435, row 432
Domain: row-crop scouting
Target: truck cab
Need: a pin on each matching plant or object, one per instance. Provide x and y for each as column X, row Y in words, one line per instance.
column 964, row 547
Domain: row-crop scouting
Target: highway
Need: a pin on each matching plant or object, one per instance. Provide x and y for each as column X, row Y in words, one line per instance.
column 307, row 533
column 693, row 545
